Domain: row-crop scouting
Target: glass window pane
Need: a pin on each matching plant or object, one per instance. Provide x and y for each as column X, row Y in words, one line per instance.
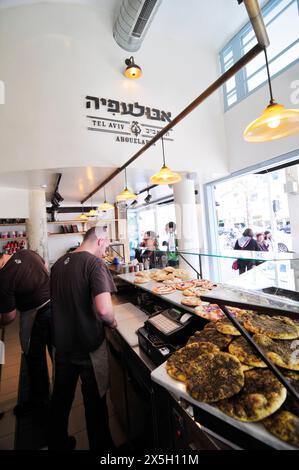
column 285, row 59
column 231, row 99
column 230, row 84
column 283, row 31
column 274, row 11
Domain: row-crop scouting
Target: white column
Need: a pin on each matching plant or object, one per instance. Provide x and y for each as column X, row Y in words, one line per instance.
column 36, row 224
column 292, row 190
column 187, row 221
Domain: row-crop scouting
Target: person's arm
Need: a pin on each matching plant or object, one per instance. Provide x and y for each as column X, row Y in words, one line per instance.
column 7, row 318
column 104, row 308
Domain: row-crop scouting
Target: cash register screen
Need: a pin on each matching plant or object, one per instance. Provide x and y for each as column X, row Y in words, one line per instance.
column 163, row 324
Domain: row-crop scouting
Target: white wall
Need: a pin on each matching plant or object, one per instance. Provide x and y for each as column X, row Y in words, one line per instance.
column 14, row 203
column 53, row 55
column 241, row 153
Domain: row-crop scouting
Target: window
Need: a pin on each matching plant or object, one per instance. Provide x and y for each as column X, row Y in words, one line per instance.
column 281, row 18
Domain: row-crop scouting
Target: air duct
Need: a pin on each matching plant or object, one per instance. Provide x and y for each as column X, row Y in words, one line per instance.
column 133, row 21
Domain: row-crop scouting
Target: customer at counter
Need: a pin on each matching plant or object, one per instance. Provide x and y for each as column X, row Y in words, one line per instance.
column 172, row 244
column 25, row 286
column 248, row 243
column 81, row 288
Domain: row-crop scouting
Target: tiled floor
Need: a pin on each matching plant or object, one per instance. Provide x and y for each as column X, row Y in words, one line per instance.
column 9, row 393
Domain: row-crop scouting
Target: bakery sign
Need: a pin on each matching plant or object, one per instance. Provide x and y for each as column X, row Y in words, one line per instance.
column 128, row 122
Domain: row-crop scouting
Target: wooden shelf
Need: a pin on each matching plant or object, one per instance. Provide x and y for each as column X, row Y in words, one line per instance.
column 68, row 222
column 69, row 233
column 12, row 224
column 15, row 239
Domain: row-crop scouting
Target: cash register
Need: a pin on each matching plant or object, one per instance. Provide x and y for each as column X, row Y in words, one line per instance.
column 166, row 331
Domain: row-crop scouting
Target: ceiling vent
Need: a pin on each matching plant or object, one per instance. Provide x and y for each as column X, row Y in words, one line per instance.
column 133, row 21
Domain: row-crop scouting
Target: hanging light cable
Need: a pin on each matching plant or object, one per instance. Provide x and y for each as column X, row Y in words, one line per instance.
column 105, row 206
column 83, row 216
column 275, row 122
column 92, row 212
column 126, row 193
column 165, row 175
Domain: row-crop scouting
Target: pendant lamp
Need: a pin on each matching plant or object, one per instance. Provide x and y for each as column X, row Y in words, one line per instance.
column 126, row 193
column 165, row 175
column 83, row 216
column 275, row 122
column 105, row 206
column 92, row 212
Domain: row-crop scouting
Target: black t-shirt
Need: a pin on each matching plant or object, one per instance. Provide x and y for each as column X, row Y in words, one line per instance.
column 24, row 282
column 76, row 278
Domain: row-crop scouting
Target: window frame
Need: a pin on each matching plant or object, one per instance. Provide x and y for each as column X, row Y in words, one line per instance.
column 237, row 47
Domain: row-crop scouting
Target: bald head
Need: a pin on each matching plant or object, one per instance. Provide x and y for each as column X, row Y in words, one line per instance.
column 96, row 240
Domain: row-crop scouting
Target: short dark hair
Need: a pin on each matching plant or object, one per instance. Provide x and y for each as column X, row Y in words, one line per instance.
column 248, row 233
column 267, row 232
column 89, row 234
column 171, row 225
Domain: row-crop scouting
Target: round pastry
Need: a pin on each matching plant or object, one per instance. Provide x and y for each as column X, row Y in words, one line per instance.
column 283, row 353
column 214, row 376
column 142, row 274
column 171, row 282
column 261, row 396
column 245, row 353
column 285, row 426
column 204, row 284
column 191, row 301
column 192, row 291
column 141, row 280
column 182, row 273
column 274, row 327
column 169, row 269
column 212, row 336
column 163, row 290
column 226, row 327
column 184, row 285
column 179, row 362
column 209, row 312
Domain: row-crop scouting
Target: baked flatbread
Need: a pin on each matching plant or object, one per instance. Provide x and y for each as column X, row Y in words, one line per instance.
column 204, row 284
column 275, row 327
column 179, row 362
column 163, row 290
column 261, row 396
column 281, row 352
column 191, row 301
column 214, row 376
column 141, row 280
column 169, row 269
column 291, row 404
column 226, row 327
column 184, row 285
column 212, row 336
column 209, row 312
column 285, row 426
column 192, row 291
column 245, row 353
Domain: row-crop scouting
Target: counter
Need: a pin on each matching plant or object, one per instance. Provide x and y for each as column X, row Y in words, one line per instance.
column 169, row 401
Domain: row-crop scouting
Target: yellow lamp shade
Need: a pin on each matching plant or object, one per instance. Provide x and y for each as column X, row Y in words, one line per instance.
column 105, row 206
column 275, row 122
column 83, row 217
column 125, row 195
column 92, row 213
column 133, row 71
column 165, row 176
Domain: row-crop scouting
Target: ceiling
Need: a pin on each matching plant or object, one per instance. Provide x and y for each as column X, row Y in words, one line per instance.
column 210, row 23
column 207, row 23
column 77, row 182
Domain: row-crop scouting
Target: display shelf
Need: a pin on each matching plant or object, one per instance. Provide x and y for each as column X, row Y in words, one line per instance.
column 12, row 224
column 15, row 239
column 66, row 222
column 68, row 233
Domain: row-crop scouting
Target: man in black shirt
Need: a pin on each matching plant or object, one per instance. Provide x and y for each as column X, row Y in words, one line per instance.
column 81, row 288
column 25, row 286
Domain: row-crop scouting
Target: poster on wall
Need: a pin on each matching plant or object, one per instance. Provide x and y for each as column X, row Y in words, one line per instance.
column 128, row 122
